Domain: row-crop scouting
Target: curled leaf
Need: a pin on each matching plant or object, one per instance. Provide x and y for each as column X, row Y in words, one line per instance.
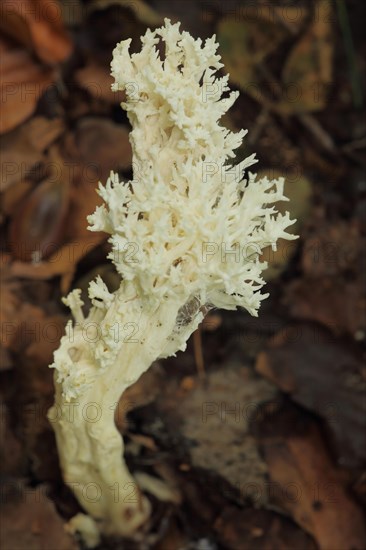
column 36, row 229
column 38, row 26
column 23, row 148
column 23, row 81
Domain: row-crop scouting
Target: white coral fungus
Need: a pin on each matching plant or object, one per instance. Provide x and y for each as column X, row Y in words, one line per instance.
column 186, row 233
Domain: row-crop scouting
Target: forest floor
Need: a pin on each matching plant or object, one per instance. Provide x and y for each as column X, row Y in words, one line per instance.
column 267, row 448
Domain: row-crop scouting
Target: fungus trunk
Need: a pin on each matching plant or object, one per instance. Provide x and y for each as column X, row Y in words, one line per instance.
column 90, row 447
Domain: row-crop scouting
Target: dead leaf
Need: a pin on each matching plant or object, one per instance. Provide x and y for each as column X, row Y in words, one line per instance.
column 309, row 487
column 49, row 330
column 332, row 290
column 23, row 148
column 335, row 302
column 13, row 196
column 6, row 361
column 321, row 374
column 35, row 394
column 30, row 520
column 332, row 249
column 308, row 69
column 97, row 81
column 259, row 530
column 15, row 312
column 88, row 155
column 12, row 459
column 103, row 145
column 36, row 229
column 63, row 262
column 37, row 25
column 23, row 81
column 9, row 304
column 97, row 146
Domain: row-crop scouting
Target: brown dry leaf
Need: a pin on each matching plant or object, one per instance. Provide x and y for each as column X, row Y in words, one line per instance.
column 21, row 324
column 259, row 530
column 39, row 352
column 63, row 262
column 31, row 336
column 308, row 486
column 96, row 147
column 321, row 374
column 29, row 520
column 15, row 313
column 36, row 228
column 23, row 81
column 13, row 196
column 332, row 249
column 335, row 302
column 34, row 396
column 79, row 179
column 6, row 361
column 103, row 146
column 29, row 26
column 23, row 148
column 97, row 80
column 38, row 26
column 12, row 459
column 332, row 290
column 308, row 68
column 9, row 305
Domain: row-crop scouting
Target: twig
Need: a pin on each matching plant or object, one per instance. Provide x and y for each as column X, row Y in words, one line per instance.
column 354, row 145
column 258, row 127
column 198, row 353
column 318, row 131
